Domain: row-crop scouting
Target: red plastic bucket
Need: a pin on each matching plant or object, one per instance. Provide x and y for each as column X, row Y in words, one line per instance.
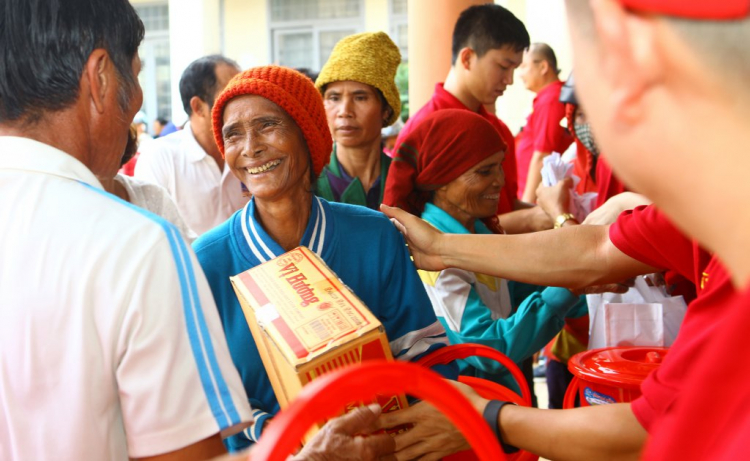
column 326, row 396
column 612, row 374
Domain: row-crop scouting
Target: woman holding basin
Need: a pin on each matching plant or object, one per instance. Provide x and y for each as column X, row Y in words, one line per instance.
column 270, row 124
column 449, row 170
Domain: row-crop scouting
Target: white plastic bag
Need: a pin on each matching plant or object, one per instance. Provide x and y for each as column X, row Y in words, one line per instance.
column 554, row 170
column 644, row 316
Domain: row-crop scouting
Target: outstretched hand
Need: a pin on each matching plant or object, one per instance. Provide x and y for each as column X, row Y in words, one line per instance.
column 425, row 242
column 337, row 439
column 555, row 200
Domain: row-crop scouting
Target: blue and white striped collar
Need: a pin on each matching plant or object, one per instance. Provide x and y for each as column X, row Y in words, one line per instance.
column 264, row 248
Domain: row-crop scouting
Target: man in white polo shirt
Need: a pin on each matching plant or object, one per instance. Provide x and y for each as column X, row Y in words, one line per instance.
column 110, row 343
column 187, row 163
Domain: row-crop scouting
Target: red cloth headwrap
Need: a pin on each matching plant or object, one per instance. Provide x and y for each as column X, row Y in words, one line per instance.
column 440, row 149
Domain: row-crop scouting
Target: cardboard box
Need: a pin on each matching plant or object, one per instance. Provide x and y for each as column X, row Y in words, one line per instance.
column 306, row 322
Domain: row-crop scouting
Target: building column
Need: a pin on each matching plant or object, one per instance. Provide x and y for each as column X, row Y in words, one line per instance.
column 194, row 31
column 430, row 37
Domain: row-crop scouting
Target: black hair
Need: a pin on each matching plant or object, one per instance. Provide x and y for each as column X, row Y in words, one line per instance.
column 44, row 47
column 199, row 79
column 312, row 75
column 131, row 148
column 488, row 27
column 545, row 53
column 162, row 121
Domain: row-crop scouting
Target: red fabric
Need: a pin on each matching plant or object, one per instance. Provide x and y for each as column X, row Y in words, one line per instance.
column 440, row 100
column 711, row 420
column 693, row 9
column 583, row 164
column 129, row 168
column 443, row 146
column 582, row 167
column 293, row 92
column 646, row 235
column 542, row 132
column 607, row 183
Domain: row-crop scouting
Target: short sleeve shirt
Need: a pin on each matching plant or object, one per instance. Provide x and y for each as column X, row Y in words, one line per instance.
column 543, row 132
column 647, row 235
column 110, row 342
column 205, row 195
column 711, row 419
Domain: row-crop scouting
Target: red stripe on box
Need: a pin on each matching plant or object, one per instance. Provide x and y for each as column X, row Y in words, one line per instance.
column 333, row 285
column 292, row 340
column 253, row 287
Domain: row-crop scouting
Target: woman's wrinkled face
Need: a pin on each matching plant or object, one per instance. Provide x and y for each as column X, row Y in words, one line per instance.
column 476, row 193
column 264, row 148
column 355, row 113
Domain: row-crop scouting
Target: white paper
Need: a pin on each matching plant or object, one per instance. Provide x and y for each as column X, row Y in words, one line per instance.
column 554, row 170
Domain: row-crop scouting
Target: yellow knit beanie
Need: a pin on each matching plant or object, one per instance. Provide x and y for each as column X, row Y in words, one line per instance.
column 370, row 58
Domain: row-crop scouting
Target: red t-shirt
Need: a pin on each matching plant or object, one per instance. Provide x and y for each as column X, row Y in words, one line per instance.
column 543, row 132
column 712, row 418
column 441, row 99
column 607, row 183
column 645, row 234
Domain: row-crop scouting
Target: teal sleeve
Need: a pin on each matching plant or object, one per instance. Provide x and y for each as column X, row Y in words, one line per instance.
column 536, row 321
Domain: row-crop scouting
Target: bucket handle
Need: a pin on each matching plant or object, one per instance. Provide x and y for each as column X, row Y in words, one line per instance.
column 326, row 396
column 461, row 351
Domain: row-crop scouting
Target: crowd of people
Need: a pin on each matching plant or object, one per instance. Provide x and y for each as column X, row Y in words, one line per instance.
column 121, row 336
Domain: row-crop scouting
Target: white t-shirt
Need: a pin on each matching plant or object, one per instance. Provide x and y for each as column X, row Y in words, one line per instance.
column 154, row 198
column 110, row 342
column 205, row 196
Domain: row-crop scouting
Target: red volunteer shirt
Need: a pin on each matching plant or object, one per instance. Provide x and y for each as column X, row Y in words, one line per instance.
column 542, row 132
column 712, row 418
column 646, row 235
column 441, row 99
column 607, row 183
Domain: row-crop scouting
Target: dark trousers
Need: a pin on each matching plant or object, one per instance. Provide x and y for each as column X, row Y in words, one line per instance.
column 558, row 379
column 527, row 368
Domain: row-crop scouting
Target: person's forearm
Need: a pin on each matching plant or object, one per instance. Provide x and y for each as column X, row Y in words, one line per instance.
column 534, row 177
column 525, row 220
column 608, row 432
column 570, row 257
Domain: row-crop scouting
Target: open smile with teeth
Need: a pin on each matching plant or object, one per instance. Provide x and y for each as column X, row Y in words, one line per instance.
column 265, row 167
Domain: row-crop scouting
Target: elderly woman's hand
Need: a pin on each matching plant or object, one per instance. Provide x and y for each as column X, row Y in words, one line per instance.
column 337, row 440
column 555, row 200
column 425, row 242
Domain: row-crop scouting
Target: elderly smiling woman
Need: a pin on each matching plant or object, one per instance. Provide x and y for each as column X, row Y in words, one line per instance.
column 449, row 170
column 270, row 124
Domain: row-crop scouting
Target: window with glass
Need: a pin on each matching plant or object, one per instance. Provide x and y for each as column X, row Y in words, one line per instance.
column 155, row 75
column 399, row 26
column 304, row 32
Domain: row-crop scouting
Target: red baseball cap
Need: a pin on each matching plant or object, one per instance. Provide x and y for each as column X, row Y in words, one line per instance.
column 693, row 9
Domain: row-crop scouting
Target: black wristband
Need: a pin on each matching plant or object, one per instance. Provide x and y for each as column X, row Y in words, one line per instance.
column 490, row 415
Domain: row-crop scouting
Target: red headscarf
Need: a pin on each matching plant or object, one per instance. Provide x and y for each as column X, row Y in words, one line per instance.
column 441, row 148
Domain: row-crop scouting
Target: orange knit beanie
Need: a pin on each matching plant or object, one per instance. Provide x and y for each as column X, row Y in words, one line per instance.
column 293, row 92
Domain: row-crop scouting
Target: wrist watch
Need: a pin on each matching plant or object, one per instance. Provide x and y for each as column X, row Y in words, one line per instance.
column 562, row 218
column 490, row 415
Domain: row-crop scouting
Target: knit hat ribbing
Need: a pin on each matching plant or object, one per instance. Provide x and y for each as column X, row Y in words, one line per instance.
column 370, row 58
column 293, row 92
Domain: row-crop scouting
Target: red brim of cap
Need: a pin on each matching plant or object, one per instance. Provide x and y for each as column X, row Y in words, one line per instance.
column 716, row 10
